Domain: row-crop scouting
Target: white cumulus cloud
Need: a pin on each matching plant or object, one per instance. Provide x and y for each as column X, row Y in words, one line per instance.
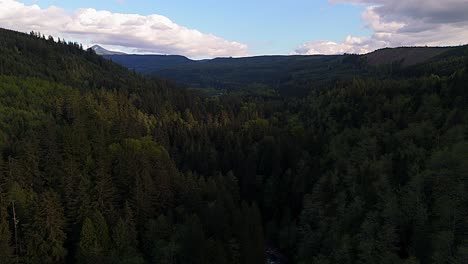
column 401, row 23
column 137, row 33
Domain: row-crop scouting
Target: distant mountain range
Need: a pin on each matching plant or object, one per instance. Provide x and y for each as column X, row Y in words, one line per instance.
column 295, row 73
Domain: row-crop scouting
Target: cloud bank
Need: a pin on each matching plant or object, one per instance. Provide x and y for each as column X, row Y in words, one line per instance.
column 142, row 34
column 401, row 23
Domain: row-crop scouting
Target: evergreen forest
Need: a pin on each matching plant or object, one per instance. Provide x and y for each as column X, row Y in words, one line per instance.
column 100, row 164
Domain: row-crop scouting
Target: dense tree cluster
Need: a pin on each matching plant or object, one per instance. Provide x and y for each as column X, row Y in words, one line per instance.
column 100, row 165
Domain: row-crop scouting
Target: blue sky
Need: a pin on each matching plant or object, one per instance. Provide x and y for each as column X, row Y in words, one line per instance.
column 267, row 27
column 222, row 28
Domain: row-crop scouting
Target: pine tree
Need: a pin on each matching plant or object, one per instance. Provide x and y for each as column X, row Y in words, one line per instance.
column 88, row 248
column 124, row 238
column 104, row 191
column 251, row 235
column 193, row 242
column 6, row 248
column 46, row 233
column 102, row 233
column 256, row 229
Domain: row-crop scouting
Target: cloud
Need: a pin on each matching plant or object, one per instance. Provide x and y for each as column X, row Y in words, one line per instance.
column 402, row 23
column 349, row 45
column 138, row 33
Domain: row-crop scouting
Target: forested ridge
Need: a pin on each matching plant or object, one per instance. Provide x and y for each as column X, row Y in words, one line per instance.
column 293, row 75
column 102, row 165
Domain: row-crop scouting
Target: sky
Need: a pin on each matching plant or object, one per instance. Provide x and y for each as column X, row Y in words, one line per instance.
column 213, row 28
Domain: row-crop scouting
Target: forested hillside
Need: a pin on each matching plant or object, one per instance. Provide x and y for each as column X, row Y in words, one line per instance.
column 292, row 75
column 101, row 165
column 93, row 172
column 288, row 75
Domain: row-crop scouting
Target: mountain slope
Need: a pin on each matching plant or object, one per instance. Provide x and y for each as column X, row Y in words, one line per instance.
column 148, row 64
column 249, row 74
column 95, row 164
column 293, row 75
column 67, row 63
column 407, row 56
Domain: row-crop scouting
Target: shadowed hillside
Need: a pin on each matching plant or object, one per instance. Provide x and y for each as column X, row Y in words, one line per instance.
column 290, row 75
column 406, row 56
column 148, row 64
column 286, row 74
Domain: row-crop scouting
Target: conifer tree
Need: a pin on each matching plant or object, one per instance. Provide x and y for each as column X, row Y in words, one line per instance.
column 46, row 232
column 88, row 248
column 6, row 247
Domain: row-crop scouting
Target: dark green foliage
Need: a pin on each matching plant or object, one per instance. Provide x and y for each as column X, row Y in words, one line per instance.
column 6, row 245
column 100, row 165
column 269, row 76
column 266, row 75
column 88, row 248
column 94, row 243
column 45, row 234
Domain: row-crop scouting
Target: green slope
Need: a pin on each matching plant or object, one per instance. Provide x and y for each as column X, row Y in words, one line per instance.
column 406, row 56
column 289, row 75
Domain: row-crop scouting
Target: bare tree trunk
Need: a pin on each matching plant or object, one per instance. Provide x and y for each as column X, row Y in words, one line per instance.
column 15, row 221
